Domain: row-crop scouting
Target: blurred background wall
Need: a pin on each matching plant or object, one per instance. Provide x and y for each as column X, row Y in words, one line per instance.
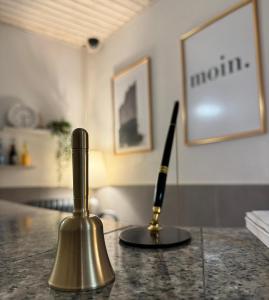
column 47, row 75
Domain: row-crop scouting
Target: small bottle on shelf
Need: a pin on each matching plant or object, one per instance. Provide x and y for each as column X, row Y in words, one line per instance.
column 12, row 155
column 25, row 156
column 2, row 155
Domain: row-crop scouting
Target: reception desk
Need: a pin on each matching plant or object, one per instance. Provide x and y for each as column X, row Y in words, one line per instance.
column 227, row 263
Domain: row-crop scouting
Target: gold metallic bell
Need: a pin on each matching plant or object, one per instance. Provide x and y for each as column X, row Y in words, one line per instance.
column 81, row 261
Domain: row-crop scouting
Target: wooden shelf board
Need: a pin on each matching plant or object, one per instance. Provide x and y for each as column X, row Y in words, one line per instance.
column 16, row 167
column 15, row 130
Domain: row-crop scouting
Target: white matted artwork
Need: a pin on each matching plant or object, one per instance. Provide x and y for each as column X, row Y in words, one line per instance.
column 131, row 93
column 222, row 77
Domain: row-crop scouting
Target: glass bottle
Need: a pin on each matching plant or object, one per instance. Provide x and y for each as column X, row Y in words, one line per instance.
column 25, row 156
column 2, row 156
column 13, row 154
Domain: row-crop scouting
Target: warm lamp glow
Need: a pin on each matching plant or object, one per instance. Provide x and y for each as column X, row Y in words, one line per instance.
column 97, row 169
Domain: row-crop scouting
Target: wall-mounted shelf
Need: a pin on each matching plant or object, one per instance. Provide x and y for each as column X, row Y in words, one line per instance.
column 31, row 131
column 16, row 167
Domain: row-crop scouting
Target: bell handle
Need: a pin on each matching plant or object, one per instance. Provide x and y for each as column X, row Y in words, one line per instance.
column 80, row 149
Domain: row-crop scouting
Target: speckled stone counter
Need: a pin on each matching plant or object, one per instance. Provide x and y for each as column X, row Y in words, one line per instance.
column 217, row 264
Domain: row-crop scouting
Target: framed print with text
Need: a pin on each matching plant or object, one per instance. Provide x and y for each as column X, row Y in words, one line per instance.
column 223, row 93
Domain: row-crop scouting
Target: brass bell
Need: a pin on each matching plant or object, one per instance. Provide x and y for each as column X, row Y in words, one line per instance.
column 82, row 262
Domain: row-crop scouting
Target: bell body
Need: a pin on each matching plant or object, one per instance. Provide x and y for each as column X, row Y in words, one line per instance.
column 82, row 262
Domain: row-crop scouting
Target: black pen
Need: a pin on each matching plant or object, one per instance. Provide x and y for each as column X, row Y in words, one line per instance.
column 161, row 181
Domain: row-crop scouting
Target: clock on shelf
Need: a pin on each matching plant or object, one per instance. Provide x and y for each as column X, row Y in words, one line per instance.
column 22, row 116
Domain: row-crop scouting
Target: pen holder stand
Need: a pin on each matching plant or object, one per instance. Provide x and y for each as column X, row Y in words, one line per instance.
column 82, row 262
column 154, row 236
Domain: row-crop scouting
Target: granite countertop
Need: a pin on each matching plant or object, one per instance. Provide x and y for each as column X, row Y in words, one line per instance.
column 217, row 264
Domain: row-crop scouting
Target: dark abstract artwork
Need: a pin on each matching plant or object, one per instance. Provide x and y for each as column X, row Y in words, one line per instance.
column 128, row 131
column 131, row 96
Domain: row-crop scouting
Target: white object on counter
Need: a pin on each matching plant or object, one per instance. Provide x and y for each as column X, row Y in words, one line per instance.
column 257, row 222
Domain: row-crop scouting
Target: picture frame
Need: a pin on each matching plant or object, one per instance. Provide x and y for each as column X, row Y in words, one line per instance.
column 131, row 97
column 223, row 92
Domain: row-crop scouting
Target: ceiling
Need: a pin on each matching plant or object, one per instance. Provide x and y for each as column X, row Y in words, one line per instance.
column 72, row 21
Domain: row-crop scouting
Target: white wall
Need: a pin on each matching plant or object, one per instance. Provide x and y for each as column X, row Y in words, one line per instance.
column 156, row 33
column 48, row 76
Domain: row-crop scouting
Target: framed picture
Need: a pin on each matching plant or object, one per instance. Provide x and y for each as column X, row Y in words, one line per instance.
column 223, row 93
column 131, row 93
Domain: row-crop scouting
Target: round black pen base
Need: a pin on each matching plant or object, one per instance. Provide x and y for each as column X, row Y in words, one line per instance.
column 143, row 238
